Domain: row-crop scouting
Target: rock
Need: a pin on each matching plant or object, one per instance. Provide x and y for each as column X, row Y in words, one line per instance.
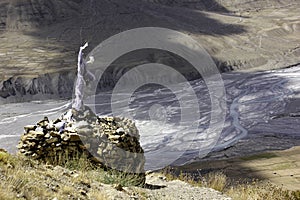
column 52, row 140
column 70, row 130
column 3, row 150
column 82, row 192
column 29, row 128
column 118, row 187
column 120, row 131
column 43, row 123
column 39, row 129
column 109, row 119
column 28, row 138
column 54, row 134
column 65, row 137
column 74, row 137
column 56, row 121
column 59, row 125
column 114, row 137
column 37, row 134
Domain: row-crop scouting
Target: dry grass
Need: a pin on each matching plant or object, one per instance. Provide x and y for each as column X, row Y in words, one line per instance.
column 22, row 178
column 188, row 178
column 140, row 194
column 62, row 177
column 216, row 180
column 121, row 178
column 97, row 195
column 256, row 190
column 261, row 190
column 5, row 192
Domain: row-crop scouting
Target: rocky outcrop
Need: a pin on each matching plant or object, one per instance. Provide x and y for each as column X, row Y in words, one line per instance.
column 112, row 142
column 55, row 85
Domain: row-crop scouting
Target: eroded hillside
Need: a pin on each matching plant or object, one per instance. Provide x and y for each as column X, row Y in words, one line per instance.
column 40, row 39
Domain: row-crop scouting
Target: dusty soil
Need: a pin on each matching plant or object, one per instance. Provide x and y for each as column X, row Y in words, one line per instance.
column 279, row 167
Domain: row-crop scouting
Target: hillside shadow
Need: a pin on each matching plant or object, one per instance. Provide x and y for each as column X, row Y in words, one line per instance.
column 196, row 20
column 53, row 44
column 96, row 22
column 211, row 5
column 75, row 22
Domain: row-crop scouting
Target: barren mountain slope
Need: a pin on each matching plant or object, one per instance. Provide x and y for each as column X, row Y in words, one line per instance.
column 42, row 37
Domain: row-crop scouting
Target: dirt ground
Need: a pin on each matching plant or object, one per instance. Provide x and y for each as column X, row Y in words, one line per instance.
column 279, row 167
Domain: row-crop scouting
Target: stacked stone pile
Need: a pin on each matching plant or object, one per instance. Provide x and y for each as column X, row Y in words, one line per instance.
column 110, row 141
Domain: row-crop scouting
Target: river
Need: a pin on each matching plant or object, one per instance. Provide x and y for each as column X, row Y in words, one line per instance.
column 253, row 101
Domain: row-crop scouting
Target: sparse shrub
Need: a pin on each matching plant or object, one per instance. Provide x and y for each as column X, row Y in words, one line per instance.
column 124, row 179
column 5, row 193
column 216, row 180
column 296, row 194
column 71, row 161
column 15, row 180
column 186, row 177
column 4, row 157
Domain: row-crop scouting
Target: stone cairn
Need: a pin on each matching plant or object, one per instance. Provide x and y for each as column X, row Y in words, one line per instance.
column 112, row 142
